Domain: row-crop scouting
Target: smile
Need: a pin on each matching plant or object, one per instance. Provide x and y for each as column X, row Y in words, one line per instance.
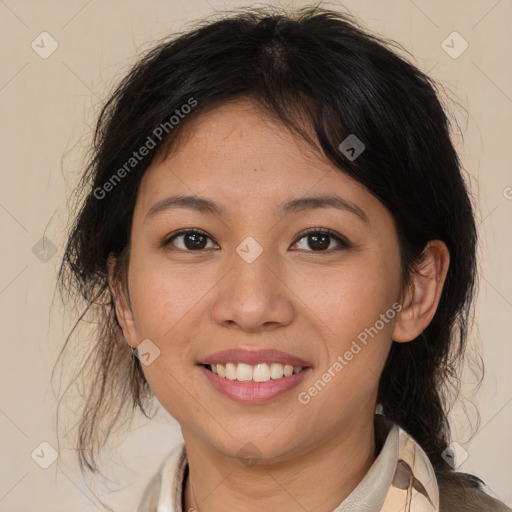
column 261, row 372
column 250, row 391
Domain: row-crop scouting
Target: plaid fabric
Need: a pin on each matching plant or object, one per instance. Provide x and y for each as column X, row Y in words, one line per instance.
column 401, row 479
column 414, row 485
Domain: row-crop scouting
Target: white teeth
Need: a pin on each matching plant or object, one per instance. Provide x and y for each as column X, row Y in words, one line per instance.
column 231, row 371
column 243, row 372
column 221, row 370
column 288, row 370
column 261, row 372
column 276, row 371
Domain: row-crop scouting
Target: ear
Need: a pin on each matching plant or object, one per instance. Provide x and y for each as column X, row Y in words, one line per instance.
column 423, row 294
column 122, row 302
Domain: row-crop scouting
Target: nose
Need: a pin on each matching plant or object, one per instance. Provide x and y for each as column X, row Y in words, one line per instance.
column 253, row 296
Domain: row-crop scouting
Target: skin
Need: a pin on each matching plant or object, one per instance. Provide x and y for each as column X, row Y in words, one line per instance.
column 309, row 301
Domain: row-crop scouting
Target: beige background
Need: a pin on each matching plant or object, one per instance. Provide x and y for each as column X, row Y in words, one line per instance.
column 47, row 109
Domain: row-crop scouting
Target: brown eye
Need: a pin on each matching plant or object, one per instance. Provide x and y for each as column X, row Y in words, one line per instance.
column 319, row 240
column 190, row 240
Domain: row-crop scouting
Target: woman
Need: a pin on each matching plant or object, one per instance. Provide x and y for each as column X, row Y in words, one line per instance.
column 278, row 228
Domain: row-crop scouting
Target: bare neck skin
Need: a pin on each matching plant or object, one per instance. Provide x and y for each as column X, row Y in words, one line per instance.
column 317, row 480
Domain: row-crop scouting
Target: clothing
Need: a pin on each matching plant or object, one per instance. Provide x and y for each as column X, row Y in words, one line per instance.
column 401, row 479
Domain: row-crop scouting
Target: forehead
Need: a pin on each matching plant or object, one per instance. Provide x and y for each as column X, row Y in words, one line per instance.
column 242, row 132
column 242, row 156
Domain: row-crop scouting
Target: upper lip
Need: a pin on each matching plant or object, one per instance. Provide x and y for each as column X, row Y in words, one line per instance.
column 252, row 357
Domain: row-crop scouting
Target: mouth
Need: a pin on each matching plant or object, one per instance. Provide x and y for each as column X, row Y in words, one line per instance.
column 261, row 372
column 254, row 377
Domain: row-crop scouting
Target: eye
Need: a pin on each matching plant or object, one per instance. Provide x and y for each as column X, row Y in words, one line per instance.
column 196, row 240
column 192, row 240
column 318, row 239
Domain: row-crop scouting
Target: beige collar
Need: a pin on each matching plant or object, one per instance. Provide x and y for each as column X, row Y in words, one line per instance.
column 401, row 478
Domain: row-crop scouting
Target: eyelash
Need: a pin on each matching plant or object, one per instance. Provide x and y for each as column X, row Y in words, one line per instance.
column 344, row 244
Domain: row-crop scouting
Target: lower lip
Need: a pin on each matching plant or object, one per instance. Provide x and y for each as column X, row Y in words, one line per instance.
column 254, row 392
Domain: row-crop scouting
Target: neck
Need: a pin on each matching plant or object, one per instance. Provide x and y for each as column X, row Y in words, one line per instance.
column 317, row 480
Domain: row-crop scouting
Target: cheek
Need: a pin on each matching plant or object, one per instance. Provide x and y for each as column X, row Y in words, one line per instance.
column 354, row 309
column 168, row 302
column 165, row 295
column 356, row 344
column 346, row 300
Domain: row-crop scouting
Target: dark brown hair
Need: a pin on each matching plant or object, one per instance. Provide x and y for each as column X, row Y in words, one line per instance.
column 314, row 66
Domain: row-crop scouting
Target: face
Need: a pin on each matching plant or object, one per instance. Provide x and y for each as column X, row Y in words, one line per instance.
column 268, row 283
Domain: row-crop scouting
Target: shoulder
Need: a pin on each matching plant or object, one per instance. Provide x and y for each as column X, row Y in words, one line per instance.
column 149, row 500
column 164, row 485
column 462, row 492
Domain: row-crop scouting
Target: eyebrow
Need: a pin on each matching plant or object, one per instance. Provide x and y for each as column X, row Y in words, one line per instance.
column 299, row 204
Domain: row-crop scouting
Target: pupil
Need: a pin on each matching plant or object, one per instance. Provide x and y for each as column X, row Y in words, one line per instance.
column 196, row 244
column 315, row 239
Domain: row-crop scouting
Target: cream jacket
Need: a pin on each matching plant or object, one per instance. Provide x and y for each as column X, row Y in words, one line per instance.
column 400, row 480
